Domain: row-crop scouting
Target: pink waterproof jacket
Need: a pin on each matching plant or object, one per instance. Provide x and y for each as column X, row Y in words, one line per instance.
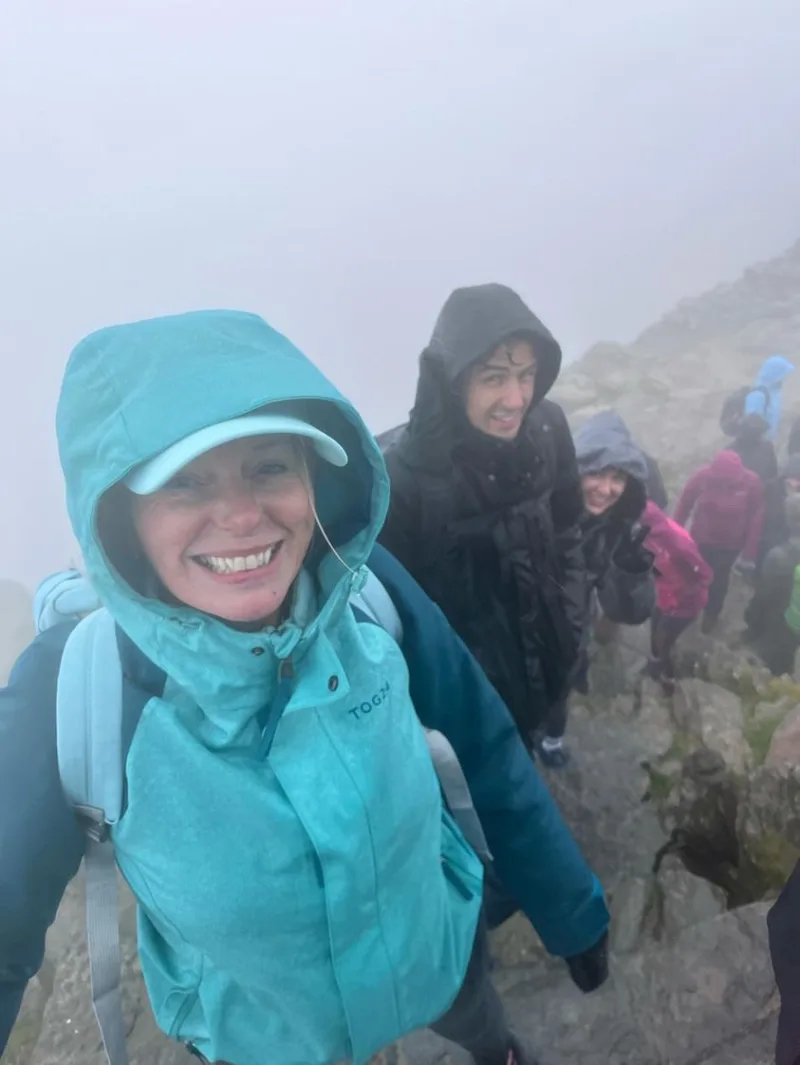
column 682, row 574
column 727, row 503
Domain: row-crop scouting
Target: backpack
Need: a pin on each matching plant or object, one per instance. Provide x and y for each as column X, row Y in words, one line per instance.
column 63, row 596
column 733, row 414
column 91, row 762
column 792, row 614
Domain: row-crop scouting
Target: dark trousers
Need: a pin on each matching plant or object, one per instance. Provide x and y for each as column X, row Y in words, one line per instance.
column 721, row 560
column 664, row 632
column 557, row 712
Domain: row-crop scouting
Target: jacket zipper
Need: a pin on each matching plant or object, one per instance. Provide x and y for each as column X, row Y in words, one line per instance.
column 270, row 715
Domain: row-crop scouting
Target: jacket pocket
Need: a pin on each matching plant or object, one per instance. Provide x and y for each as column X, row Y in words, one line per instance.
column 461, row 866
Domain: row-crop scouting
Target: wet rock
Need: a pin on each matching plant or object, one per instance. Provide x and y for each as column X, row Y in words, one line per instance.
column 785, row 746
column 714, row 716
column 654, row 724
column 687, row 900
column 701, row 815
column 768, row 827
column 515, row 943
column 630, row 907
column 601, row 793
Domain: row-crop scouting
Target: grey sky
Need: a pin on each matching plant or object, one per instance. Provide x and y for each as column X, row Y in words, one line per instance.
column 341, row 165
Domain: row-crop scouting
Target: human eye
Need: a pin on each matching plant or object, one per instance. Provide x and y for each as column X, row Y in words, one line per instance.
column 184, row 482
column 494, row 378
column 272, row 468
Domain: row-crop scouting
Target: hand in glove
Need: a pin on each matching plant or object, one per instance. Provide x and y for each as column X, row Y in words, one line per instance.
column 590, row 969
column 631, row 555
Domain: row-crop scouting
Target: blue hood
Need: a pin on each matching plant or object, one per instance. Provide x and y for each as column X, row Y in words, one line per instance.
column 605, row 441
column 774, row 372
column 770, row 377
column 131, row 391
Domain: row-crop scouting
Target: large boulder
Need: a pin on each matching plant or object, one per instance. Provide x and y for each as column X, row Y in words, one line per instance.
column 713, row 716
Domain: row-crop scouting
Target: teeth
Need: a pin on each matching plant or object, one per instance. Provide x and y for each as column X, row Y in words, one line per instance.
column 237, row 563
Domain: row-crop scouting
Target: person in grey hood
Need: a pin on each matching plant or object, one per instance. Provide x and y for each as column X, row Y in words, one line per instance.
column 486, row 498
column 614, row 474
column 618, row 568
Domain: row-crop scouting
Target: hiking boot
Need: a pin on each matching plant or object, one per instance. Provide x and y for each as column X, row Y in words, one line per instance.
column 554, row 753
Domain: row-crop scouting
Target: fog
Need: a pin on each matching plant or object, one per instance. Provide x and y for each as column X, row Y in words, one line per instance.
column 340, row 165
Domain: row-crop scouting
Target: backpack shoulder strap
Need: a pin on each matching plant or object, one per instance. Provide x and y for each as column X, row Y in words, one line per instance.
column 91, row 764
column 374, row 601
column 89, row 720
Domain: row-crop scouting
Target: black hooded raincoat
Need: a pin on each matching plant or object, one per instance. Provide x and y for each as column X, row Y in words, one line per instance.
column 489, row 527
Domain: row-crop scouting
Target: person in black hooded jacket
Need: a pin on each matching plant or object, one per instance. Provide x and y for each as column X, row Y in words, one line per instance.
column 486, row 501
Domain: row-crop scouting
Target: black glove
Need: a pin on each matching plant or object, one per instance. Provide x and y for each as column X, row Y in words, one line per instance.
column 631, row 555
column 590, row 969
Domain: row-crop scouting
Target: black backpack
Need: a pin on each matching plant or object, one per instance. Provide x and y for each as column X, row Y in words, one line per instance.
column 732, row 416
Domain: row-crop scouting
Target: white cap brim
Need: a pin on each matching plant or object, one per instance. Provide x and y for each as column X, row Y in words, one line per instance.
column 154, row 474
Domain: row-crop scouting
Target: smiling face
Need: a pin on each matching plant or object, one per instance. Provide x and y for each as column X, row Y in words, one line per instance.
column 229, row 533
column 603, row 489
column 500, row 390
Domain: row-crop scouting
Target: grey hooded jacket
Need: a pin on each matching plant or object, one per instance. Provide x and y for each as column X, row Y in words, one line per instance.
column 617, row 568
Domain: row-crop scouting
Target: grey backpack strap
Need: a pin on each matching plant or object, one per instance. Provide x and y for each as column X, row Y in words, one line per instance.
column 105, row 957
column 456, row 792
column 90, row 760
column 376, row 603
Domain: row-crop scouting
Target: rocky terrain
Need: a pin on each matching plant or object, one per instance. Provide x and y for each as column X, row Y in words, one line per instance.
column 688, row 807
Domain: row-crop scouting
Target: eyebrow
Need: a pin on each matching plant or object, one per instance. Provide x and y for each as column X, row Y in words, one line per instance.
column 509, row 364
column 265, row 445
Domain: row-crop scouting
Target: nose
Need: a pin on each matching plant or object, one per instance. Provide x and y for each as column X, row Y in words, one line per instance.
column 514, row 398
column 237, row 510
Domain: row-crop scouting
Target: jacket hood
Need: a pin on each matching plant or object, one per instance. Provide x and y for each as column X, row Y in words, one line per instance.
column 727, row 468
column 774, row 372
column 130, row 391
column 471, row 324
column 605, row 441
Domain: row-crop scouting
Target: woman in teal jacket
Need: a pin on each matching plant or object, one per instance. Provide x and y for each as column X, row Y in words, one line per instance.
column 305, row 895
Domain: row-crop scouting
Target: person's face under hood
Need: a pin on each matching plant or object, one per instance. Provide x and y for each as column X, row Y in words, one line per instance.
column 603, row 489
column 499, row 391
column 228, row 533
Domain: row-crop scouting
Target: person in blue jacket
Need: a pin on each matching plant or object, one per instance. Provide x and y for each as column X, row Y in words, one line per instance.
column 305, row 895
column 765, row 399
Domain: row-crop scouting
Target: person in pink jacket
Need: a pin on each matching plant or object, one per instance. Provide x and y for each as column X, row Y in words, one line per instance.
column 726, row 503
column 683, row 578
